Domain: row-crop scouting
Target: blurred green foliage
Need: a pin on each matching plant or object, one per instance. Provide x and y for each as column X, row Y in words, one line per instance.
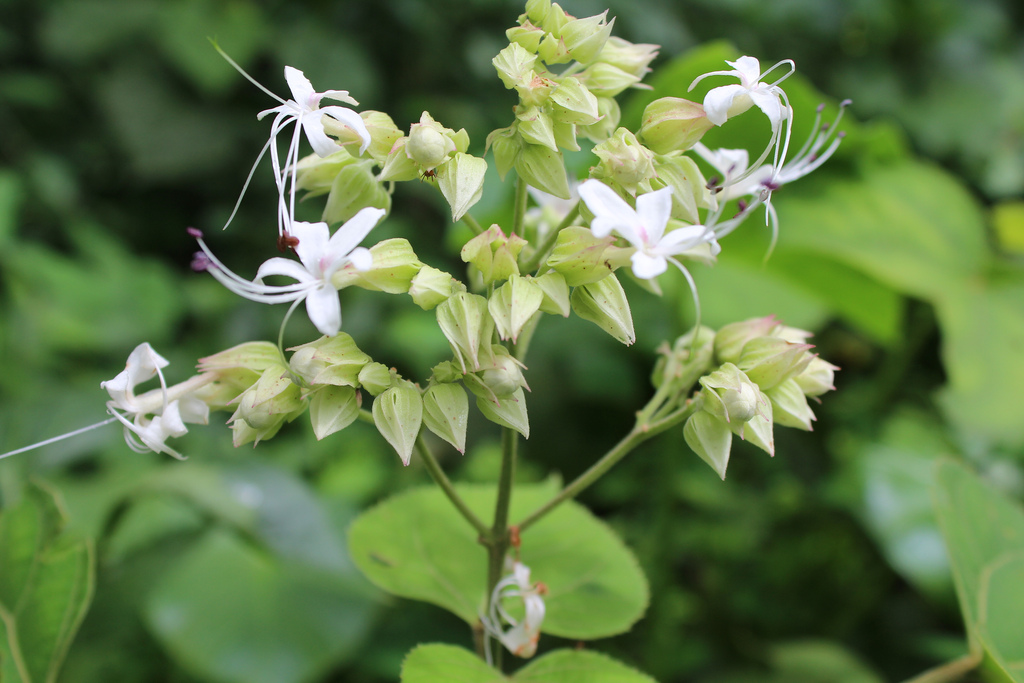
column 121, row 126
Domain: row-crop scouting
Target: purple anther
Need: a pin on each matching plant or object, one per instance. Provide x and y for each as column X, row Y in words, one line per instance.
column 195, row 232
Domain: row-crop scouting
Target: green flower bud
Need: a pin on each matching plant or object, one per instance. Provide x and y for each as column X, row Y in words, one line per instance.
column 446, row 413
column 446, row 372
column 394, row 266
column 516, row 65
column 355, row 188
column 552, row 50
column 432, row 286
column 507, row 144
column 605, row 80
column 331, row 409
column 375, row 378
column 710, row 438
column 329, row 360
column 528, row 36
column 730, row 339
column 494, row 254
column 461, row 181
column 556, row 294
column 536, row 127
column 537, row 11
column 237, row 369
column 316, row 174
column 573, row 103
column 398, row 414
column 633, row 58
column 582, row 258
column 789, row 406
column 383, row 134
column 792, row 334
column 428, row 144
column 758, row 430
column 271, row 401
column 543, row 169
column 624, row 161
column 672, row 124
column 398, row 166
column 507, row 412
column 464, row 320
column 499, row 378
column 604, row 304
column 584, row 38
column 769, row 361
column 690, row 192
column 730, row 396
column 818, row 378
column 513, row 304
column 685, row 353
column 610, row 113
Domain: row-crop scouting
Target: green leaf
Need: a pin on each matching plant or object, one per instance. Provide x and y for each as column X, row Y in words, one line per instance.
column 578, row 666
column 229, row 613
column 46, row 584
column 417, row 546
column 985, row 535
column 435, row 662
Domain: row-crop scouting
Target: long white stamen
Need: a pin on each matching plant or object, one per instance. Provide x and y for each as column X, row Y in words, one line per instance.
column 55, row 439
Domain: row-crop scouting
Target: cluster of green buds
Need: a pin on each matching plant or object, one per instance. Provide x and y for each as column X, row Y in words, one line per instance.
column 764, row 373
column 556, row 107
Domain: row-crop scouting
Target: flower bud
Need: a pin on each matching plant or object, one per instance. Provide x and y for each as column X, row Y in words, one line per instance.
column 769, row 361
column 584, row 38
column 582, row 258
column 465, row 322
column 730, row 396
column 446, row 413
column 332, row 408
column 513, row 304
column 789, row 406
column 270, row 402
column 818, row 378
column 527, row 36
column 375, row 378
column 633, row 58
column 624, row 161
column 494, row 254
column 507, row 412
column 432, row 286
column 398, row 414
column 394, row 266
column 516, row 65
column 461, row 181
column 506, row 144
column 236, row 369
column 329, row 360
column 355, row 188
column 573, row 103
column 606, row 80
column 730, row 339
column 604, row 304
column 536, row 127
column 685, row 352
column 504, row 375
column 543, row 169
column 383, row 134
column 556, row 294
column 673, row 124
column 428, row 144
column 610, row 113
column 710, row 438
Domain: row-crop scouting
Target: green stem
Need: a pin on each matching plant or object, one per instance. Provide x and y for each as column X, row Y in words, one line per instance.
column 533, row 263
column 497, row 541
column 519, row 208
column 472, row 223
column 950, row 671
column 440, row 478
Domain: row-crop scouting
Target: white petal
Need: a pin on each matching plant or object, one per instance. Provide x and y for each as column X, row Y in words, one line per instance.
column 352, row 120
column 646, row 266
column 681, row 239
column 611, row 212
column 352, row 233
column 324, row 309
column 653, row 210
column 361, row 258
column 748, row 69
column 718, row 101
column 339, row 96
column 321, row 143
column 314, row 241
column 769, row 103
column 302, row 89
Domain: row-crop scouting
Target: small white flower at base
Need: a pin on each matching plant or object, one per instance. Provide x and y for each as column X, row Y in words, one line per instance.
column 322, row 255
column 150, row 419
column 519, row 637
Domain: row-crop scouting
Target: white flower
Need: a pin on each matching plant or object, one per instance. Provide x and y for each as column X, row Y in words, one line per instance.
column 152, row 418
column 643, row 227
column 321, row 256
column 519, row 636
column 305, row 112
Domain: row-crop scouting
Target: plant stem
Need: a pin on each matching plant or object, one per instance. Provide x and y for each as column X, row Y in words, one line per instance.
column 472, row 223
column 497, row 541
column 950, row 671
column 519, row 208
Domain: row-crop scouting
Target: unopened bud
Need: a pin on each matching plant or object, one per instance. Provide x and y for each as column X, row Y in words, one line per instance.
column 710, row 438
column 446, row 413
column 818, row 378
column 769, row 361
column 398, row 414
column 428, row 145
column 789, row 406
column 604, row 304
column 329, row 360
column 432, row 286
column 730, row 395
column 624, row 161
column 730, row 339
column 673, row 124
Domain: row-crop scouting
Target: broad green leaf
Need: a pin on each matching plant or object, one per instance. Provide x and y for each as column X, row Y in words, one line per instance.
column 985, row 536
column 46, row 584
column 1001, row 607
column 1008, row 225
column 982, row 326
column 435, row 662
column 578, row 666
column 230, row 613
column 417, row 546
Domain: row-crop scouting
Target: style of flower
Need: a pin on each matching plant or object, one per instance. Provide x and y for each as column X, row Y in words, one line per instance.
column 152, row 418
column 519, row 637
column 305, row 112
column 321, row 256
column 643, row 227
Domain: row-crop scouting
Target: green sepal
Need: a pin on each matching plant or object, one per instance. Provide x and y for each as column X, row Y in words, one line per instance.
column 710, row 438
column 398, row 166
column 585, row 38
column 394, row 266
column 398, row 414
column 543, row 169
column 508, row 411
column 465, row 322
column 329, row 360
column 789, row 406
column 432, row 286
column 461, row 181
column 446, row 413
column 536, row 127
column 506, row 145
column 689, row 188
column 556, row 294
column 604, row 304
column 383, row 134
column 515, row 65
column 580, row 258
column 332, row 408
column 354, row 189
column 513, row 304
column 574, row 103
column 375, row 378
